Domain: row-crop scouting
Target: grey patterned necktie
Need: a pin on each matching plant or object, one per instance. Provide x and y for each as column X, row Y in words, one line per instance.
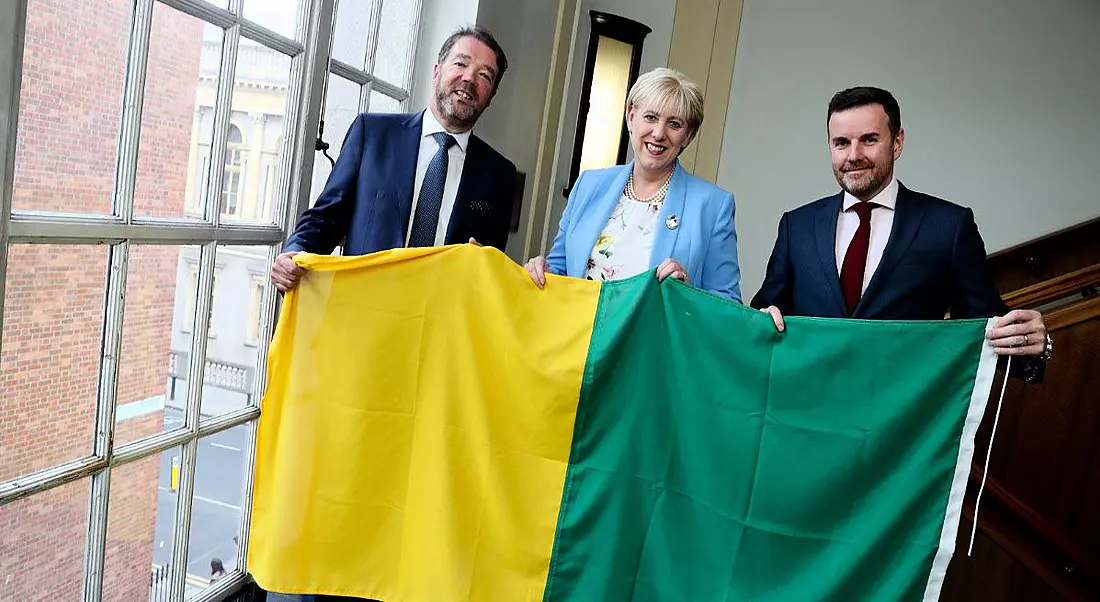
column 426, row 220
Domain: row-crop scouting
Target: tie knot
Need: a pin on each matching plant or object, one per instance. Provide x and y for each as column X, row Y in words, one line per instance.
column 444, row 140
column 863, row 209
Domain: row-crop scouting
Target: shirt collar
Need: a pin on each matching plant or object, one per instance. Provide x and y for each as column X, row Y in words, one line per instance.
column 431, row 126
column 887, row 197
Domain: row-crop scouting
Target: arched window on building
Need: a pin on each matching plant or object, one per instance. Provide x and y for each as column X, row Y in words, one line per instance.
column 233, row 179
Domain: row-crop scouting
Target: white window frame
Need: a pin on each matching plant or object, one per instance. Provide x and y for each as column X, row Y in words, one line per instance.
column 203, row 227
column 363, row 77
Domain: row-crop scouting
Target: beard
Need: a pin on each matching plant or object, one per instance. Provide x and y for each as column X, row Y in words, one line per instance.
column 863, row 185
column 463, row 116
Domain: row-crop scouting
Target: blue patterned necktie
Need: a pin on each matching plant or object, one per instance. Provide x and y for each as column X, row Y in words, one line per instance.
column 426, row 220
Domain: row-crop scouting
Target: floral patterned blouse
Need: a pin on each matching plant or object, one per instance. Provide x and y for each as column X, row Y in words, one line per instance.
column 624, row 246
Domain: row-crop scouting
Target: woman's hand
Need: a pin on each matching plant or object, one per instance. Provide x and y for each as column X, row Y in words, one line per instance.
column 671, row 267
column 537, row 268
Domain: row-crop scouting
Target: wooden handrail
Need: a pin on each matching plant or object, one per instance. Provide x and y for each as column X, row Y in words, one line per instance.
column 1055, row 288
column 1041, row 526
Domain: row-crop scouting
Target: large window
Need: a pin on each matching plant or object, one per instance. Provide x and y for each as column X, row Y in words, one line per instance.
column 369, row 70
column 145, row 188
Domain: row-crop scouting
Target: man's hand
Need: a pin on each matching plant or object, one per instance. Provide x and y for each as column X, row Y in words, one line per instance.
column 537, row 268
column 777, row 317
column 285, row 274
column 475, row 243
column 1019, row 332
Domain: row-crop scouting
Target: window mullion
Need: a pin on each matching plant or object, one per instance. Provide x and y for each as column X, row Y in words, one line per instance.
column 389, row 89
column 374, row 23
column 95, row 229
column 200, row 9
column 364, row 97
column 274, row 41
column 13, row 26
column 132, row 104
column 410, row 58
column 309, row 71
column 195, row 373
column 96, row 541
column 223, row 109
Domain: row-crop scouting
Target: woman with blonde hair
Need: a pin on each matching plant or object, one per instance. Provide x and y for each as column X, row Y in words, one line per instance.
column 649, row 214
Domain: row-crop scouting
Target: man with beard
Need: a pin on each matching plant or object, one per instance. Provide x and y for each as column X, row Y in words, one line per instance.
column 415, row 180
column 412, row 180
column 880, row 251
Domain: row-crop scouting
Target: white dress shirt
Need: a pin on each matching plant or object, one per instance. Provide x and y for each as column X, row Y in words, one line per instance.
column 456, row 159
column 882, row 221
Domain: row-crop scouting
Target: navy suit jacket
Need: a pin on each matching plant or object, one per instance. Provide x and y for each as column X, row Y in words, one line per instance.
column 934, row 263
column 368, row 197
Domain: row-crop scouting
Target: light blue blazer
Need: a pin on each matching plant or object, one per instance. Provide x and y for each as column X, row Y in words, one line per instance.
column 704, row 240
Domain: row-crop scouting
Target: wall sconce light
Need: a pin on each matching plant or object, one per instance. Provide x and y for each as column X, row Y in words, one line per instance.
column 611, row 67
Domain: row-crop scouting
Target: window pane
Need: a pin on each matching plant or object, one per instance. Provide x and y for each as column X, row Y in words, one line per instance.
column 220, row 475
column 380, row 103
column 341, row 108
column 280, row 16
column 53, row 318
column 160, row 292
column 349, row 40
column 259, row 105
column 140, row 529
column 231, row 353
column 42, row 545
column 70, row 105
column 395, row 41
column 177, row 122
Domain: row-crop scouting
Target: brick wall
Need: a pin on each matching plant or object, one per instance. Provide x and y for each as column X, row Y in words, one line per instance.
column 66, row 155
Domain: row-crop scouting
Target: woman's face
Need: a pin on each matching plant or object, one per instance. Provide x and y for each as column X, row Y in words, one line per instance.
column 656, row 138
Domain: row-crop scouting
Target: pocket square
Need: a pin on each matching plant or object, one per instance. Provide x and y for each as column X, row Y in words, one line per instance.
column 481, row 205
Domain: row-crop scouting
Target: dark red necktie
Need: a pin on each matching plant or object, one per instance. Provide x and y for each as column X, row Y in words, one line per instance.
column 855, row 260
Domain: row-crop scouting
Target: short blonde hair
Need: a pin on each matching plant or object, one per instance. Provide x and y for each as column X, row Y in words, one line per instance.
column 668, row 92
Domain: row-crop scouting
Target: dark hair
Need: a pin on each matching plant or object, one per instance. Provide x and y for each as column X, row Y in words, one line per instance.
column 484, row 36
column 216, row 565
column 866, row 95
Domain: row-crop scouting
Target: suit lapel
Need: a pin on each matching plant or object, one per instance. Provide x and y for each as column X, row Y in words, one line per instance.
column 908, row 214
column 467, row 187
column 664, row 241
column 588, row 230
column 826, row 250
column 403, row 158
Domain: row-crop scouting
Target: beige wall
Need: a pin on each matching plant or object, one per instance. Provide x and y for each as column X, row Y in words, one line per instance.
column 704, row 46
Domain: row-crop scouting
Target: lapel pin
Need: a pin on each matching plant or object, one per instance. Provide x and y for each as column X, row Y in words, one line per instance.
column 672, row 222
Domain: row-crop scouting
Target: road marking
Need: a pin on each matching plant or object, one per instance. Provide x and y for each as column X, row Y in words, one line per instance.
column 216, row 503
column 229, row 447
column 203, row 499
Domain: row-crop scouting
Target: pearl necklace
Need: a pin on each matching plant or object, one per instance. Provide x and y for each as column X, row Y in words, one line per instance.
column 659, row 195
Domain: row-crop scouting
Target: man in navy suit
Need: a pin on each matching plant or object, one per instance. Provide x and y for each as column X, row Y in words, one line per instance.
column 421, row 179
column 880, row 251
column 414, row 180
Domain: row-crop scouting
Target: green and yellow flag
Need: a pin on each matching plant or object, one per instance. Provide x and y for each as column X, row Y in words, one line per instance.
column 437, row 429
